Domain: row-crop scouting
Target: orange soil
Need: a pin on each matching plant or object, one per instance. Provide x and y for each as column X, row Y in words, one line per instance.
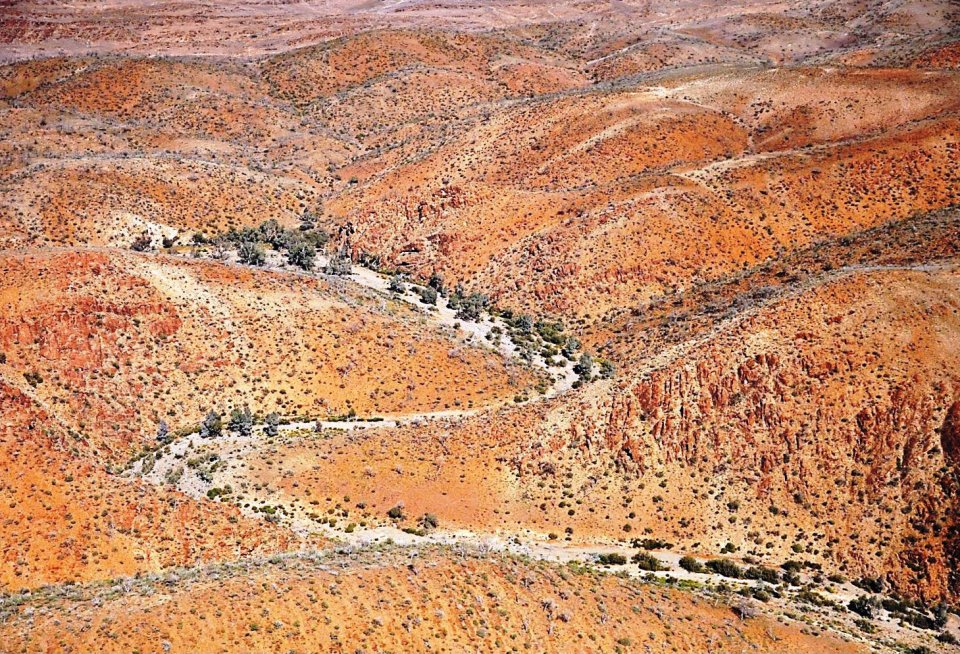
column 123, row 340
column 387, row 602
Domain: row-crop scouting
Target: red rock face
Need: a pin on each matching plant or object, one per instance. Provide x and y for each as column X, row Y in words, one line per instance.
column 747, row 212
column 950, row 434
column 842, row 414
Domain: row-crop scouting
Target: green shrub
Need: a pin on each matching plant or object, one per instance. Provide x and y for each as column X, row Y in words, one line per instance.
column 428, row 295
column 612, row 559
column 764, row 574
column 690, row 564
column 862, row 605
column 302, row 255
column 646, row 561
column 251, row 253
column 725, row 568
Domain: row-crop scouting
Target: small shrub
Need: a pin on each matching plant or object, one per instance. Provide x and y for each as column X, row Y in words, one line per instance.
column 271, row 424
column 863, row 606
column 211, row 425
column 725, row 568
column 651, row 544
column 612, row 559
column 251, row 253
column 646, row 561
column 396, row 284
column 764, row 574
column 690, row 564
column 428, row 295
column 302, row 255
column 339, row 264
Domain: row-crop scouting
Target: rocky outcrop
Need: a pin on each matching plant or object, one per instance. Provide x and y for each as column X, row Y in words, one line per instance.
column 819, row 396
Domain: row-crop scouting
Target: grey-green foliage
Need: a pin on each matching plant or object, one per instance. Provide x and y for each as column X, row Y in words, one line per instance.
column 607, row 370
column 251, row 253
column 271, row 423
column 339, row 264
column 469, row 307
column 271, row 232
column 173, row 475
column 163, row 432
column 584, row 367
column 146, row 466
column 241, row 421
column 211, row 425
column 302, row 255
column 570, row 347
column 428, row 295
column 397, row 284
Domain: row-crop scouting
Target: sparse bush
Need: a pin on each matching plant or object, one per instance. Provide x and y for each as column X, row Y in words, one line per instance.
column 584, row 367
column 646, row 561
column 396, row 284
column 163, row 433
column 690, row 564
column 396, row 513
column 863, row 606
column 301, row 255
column 429, row 521
column 612, row 559
column 651, row 543
column 142, row 243
column 607, row 370
column 472, row 306
column 271, row 232
column 947, row 638
column 173, row 475
column 725, row 568
column 865, row 626
column 251, row 253
column 768, row 575
column 570, row 347
column 870, row 584
column 216, row 492
column 241, row 421
column 211, row 425
column 339, row 264
column 270, row 424
column 428, row 295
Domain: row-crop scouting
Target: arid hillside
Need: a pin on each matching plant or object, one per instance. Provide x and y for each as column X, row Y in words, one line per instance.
column 439, row 601
column 522, row 325
column 64, row 519
column 814, row 424
column 114, row 342
column 686, row 182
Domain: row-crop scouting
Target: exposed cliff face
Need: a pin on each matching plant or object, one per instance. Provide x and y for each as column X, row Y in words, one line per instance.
column 950, row 434
column 829, row 406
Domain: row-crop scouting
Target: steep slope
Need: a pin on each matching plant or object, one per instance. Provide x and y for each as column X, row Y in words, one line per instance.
column 120, row 341
column 676, row 192
column 816, row 425
column 64, row 519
